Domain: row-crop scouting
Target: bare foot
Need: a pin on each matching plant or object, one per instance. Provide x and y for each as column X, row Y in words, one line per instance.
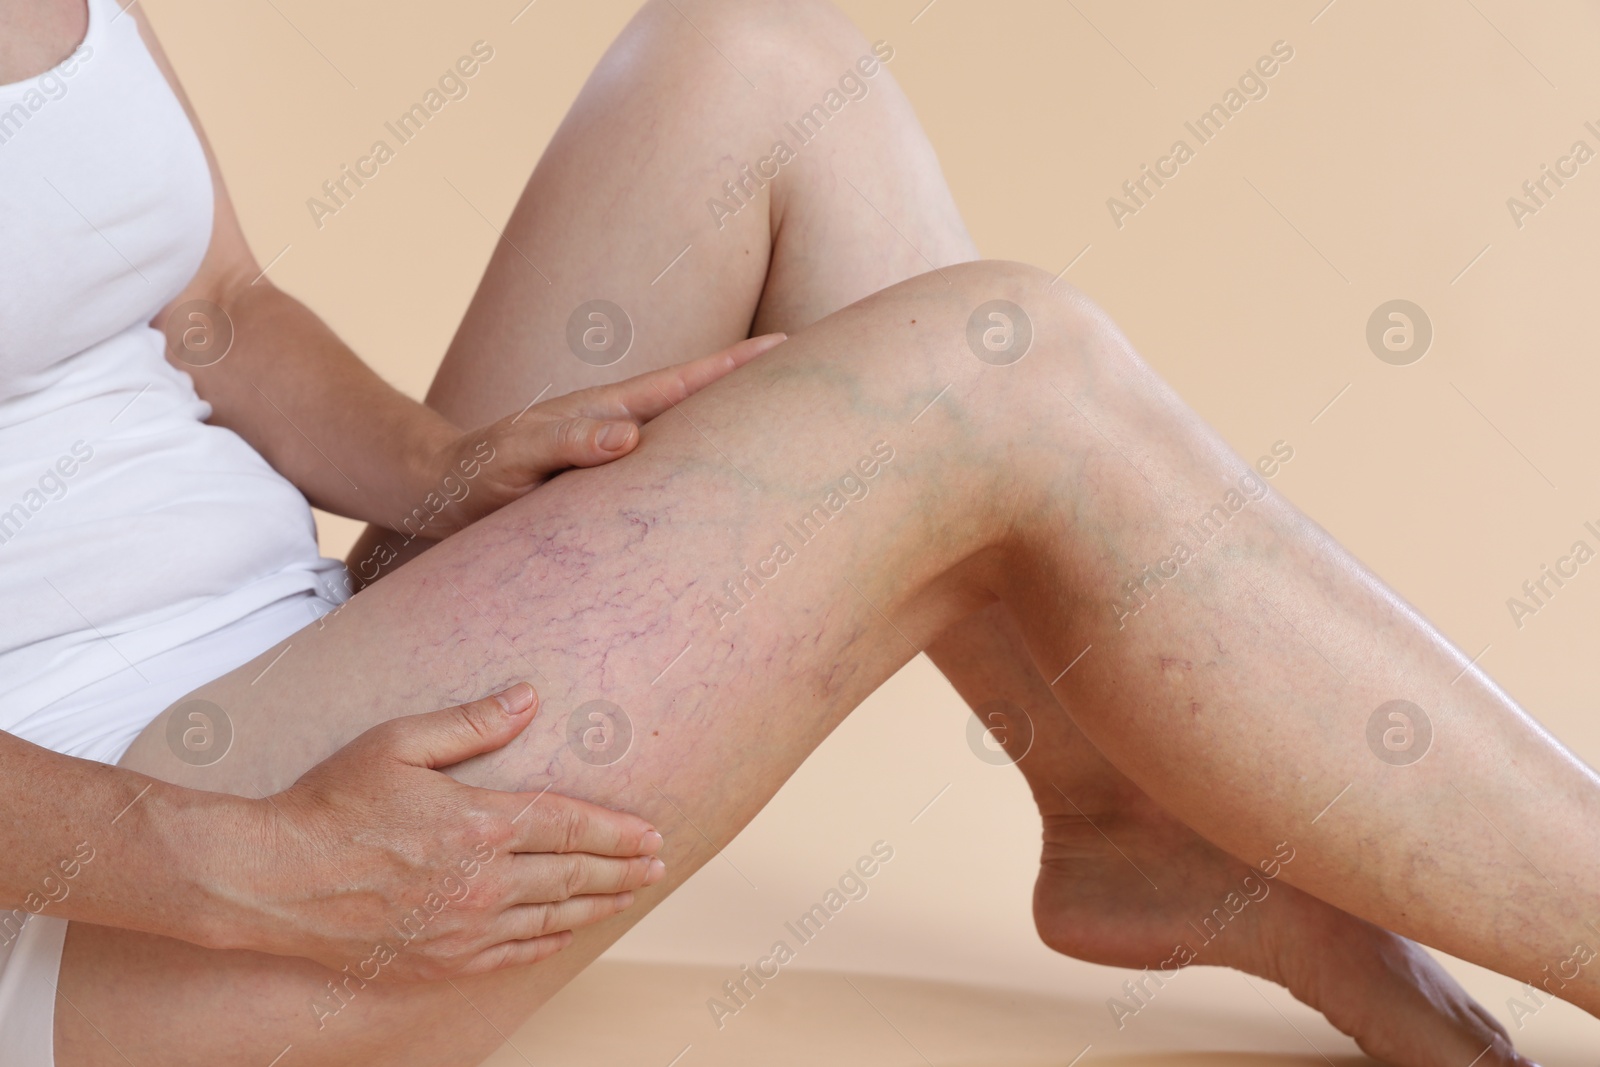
column 1123, row 883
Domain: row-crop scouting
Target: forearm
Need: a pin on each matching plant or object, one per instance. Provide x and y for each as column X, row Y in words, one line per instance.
column 351, row 442
column 99, row 844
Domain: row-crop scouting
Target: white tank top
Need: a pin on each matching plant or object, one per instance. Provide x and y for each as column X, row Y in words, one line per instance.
column 128, row 526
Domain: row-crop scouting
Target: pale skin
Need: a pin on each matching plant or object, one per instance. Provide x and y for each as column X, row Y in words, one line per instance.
column 997, row 536
column 382, row 456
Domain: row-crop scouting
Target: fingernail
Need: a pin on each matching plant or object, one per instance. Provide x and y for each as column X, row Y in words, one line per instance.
column 624, row 899
column 614, row 435
column 652, row 842
column 655, row 873
column 516, row 700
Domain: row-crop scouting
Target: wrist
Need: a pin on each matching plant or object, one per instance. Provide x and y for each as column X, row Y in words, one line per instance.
column 212, row 846
column 429, row 457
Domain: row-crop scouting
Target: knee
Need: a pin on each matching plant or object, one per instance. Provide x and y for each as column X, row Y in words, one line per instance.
column 783, row 45
column 1024, row 320
column 1019, row 346
column 1006, row 279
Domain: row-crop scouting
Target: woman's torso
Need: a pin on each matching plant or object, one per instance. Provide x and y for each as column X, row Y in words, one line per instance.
column 128, row 525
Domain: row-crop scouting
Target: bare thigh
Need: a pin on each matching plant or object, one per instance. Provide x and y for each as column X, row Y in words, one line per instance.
column 651, row 197
column 857, row 207
column 684, row 204
column 639, row 583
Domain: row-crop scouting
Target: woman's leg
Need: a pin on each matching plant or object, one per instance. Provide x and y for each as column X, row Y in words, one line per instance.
column 661, row 156
column 665, row 129
column 820, row 257
column 1121, row 881
column 805, row 246
column 908, row 480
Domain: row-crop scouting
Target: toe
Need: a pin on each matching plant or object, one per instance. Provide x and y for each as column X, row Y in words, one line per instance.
column 1386, row 992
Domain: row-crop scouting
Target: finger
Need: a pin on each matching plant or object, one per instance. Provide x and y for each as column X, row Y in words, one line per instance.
column 545, row 878
column 523, row 921
column 517, row 953
column 549, row 822
column 442, row 738
column 580, row 441
column 543, row 447
column 644, row 397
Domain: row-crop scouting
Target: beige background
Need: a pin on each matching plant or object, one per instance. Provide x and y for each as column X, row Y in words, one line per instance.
column 1378, row 167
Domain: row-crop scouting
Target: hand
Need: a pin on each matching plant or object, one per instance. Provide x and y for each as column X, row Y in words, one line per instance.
column 378, row 862
column 492, row 466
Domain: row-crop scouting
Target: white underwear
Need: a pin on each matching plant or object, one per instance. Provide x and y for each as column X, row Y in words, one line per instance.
column 99, row 722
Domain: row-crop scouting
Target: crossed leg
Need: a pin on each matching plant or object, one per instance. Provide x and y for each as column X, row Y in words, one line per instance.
column 808, row 244
column 1121, row 881
column 607, row 584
